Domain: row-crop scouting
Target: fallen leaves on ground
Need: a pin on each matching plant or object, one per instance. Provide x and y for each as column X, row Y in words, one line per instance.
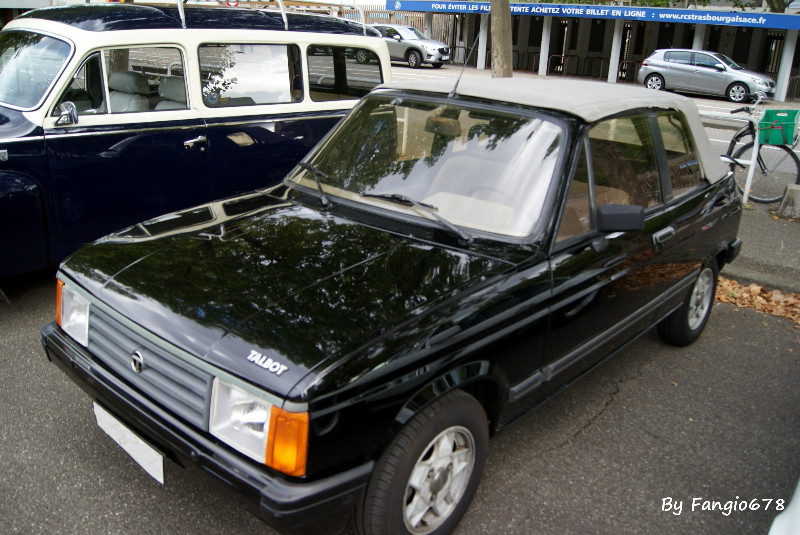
column 773, row 302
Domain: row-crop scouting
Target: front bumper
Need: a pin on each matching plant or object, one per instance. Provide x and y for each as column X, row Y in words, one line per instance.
column 436, row 57
column 281, row 503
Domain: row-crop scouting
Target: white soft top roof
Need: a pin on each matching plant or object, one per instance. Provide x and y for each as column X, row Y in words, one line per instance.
column 591, row 101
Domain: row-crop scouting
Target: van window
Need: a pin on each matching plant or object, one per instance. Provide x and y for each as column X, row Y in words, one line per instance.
column 87, row 89
column 134, row 77
column 339, row 73
column 249, row 74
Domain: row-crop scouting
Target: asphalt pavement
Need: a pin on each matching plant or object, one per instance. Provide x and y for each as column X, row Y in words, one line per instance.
column 712, row 422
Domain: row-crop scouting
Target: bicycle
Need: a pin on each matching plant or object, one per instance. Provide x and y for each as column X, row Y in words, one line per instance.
column 777, row 164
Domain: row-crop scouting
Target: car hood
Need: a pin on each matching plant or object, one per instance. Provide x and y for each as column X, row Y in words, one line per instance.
column 287, row 283
column 754, row 74
column 430, row 43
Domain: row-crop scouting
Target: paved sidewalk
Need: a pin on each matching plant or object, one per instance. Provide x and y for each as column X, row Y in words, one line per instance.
column 770, row 255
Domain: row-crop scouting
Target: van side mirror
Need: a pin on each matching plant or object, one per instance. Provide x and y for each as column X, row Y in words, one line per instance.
column 68, row 114
column 619, row 217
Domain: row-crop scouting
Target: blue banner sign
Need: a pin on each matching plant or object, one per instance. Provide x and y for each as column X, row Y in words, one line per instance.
column 689, row 16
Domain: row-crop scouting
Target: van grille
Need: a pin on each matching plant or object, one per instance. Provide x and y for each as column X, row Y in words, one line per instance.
column 166, row 378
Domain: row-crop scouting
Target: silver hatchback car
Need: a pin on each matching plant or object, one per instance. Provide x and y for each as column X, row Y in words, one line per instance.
column 701, row 71
column 408, row 44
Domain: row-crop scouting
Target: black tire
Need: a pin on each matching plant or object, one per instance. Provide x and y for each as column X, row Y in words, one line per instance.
column 456, row 419
column 437, row 65
column 414, row 59
column 685, row 324
column 778, row 166
column 743, row 134
column 737, row 92
column 655, row 81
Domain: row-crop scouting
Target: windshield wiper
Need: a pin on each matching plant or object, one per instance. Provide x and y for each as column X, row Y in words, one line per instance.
column 316, row 173
column 429, row 209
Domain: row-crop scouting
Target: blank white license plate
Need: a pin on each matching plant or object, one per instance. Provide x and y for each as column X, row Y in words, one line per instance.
column 445, row 58
column 143, row 453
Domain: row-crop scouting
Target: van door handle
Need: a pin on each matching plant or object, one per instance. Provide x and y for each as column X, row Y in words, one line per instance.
column 662, row 236
column 190, row 144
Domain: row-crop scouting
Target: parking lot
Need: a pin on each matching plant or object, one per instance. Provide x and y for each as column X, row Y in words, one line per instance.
column 708, row 427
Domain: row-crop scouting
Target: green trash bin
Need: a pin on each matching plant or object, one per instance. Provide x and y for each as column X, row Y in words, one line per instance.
column 777, row 127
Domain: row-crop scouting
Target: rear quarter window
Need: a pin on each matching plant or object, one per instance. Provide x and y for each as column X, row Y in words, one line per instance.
column 249, row 74
column 684, row 58
column 341, row 73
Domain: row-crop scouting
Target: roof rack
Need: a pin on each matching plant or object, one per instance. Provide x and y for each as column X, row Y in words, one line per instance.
column 281, row 5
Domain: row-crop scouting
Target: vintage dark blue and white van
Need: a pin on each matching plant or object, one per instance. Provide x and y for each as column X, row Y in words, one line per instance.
column 113, row 114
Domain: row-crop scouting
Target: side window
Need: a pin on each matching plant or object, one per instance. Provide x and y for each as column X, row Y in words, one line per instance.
column 390, row 32
column 624, row 162
column 576, row 218
column 684, row 58
column 143, row 78
column 684, row 166
column 86, row 90
column 338, row 73
column 249, row 74
column 704, row 60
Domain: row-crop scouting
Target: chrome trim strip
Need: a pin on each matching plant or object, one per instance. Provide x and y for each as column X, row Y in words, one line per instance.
column 333, row 113
column 107, row 129
column 182, row 354
column 21, row 139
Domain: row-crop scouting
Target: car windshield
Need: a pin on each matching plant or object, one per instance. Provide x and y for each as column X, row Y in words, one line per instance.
column 29, row 62
column 477, row 168
column 408, row 32
column 729, row 62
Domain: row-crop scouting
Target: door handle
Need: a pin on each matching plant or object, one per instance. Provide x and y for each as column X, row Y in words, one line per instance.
column 662, row 236
column 191, row 144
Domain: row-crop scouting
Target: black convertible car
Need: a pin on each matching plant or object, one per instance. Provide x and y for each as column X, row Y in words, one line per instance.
column 444, row 260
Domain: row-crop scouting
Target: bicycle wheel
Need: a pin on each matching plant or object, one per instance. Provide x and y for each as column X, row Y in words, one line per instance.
column 777, row 167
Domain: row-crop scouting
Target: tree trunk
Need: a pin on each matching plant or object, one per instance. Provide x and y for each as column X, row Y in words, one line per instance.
column 501, row 38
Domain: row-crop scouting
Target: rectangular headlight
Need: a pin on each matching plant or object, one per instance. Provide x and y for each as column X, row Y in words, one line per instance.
column 240, row 419
column 72, row 313
column 258, row 429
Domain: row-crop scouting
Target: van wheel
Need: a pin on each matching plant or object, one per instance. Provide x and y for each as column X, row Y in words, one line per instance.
column 426, row 478
column 737, row 92
column 414, row 59
column 683, row 326
column 654, row 81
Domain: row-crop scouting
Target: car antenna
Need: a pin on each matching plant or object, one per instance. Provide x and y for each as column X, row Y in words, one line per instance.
column 471, row 50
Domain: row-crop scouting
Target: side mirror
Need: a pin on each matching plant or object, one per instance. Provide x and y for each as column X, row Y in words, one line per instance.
column 397, row 37
column 68, row 114
column 720, row 67
column 620, row 217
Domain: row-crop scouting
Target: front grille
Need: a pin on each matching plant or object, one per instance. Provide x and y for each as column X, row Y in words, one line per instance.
column 166, row 378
